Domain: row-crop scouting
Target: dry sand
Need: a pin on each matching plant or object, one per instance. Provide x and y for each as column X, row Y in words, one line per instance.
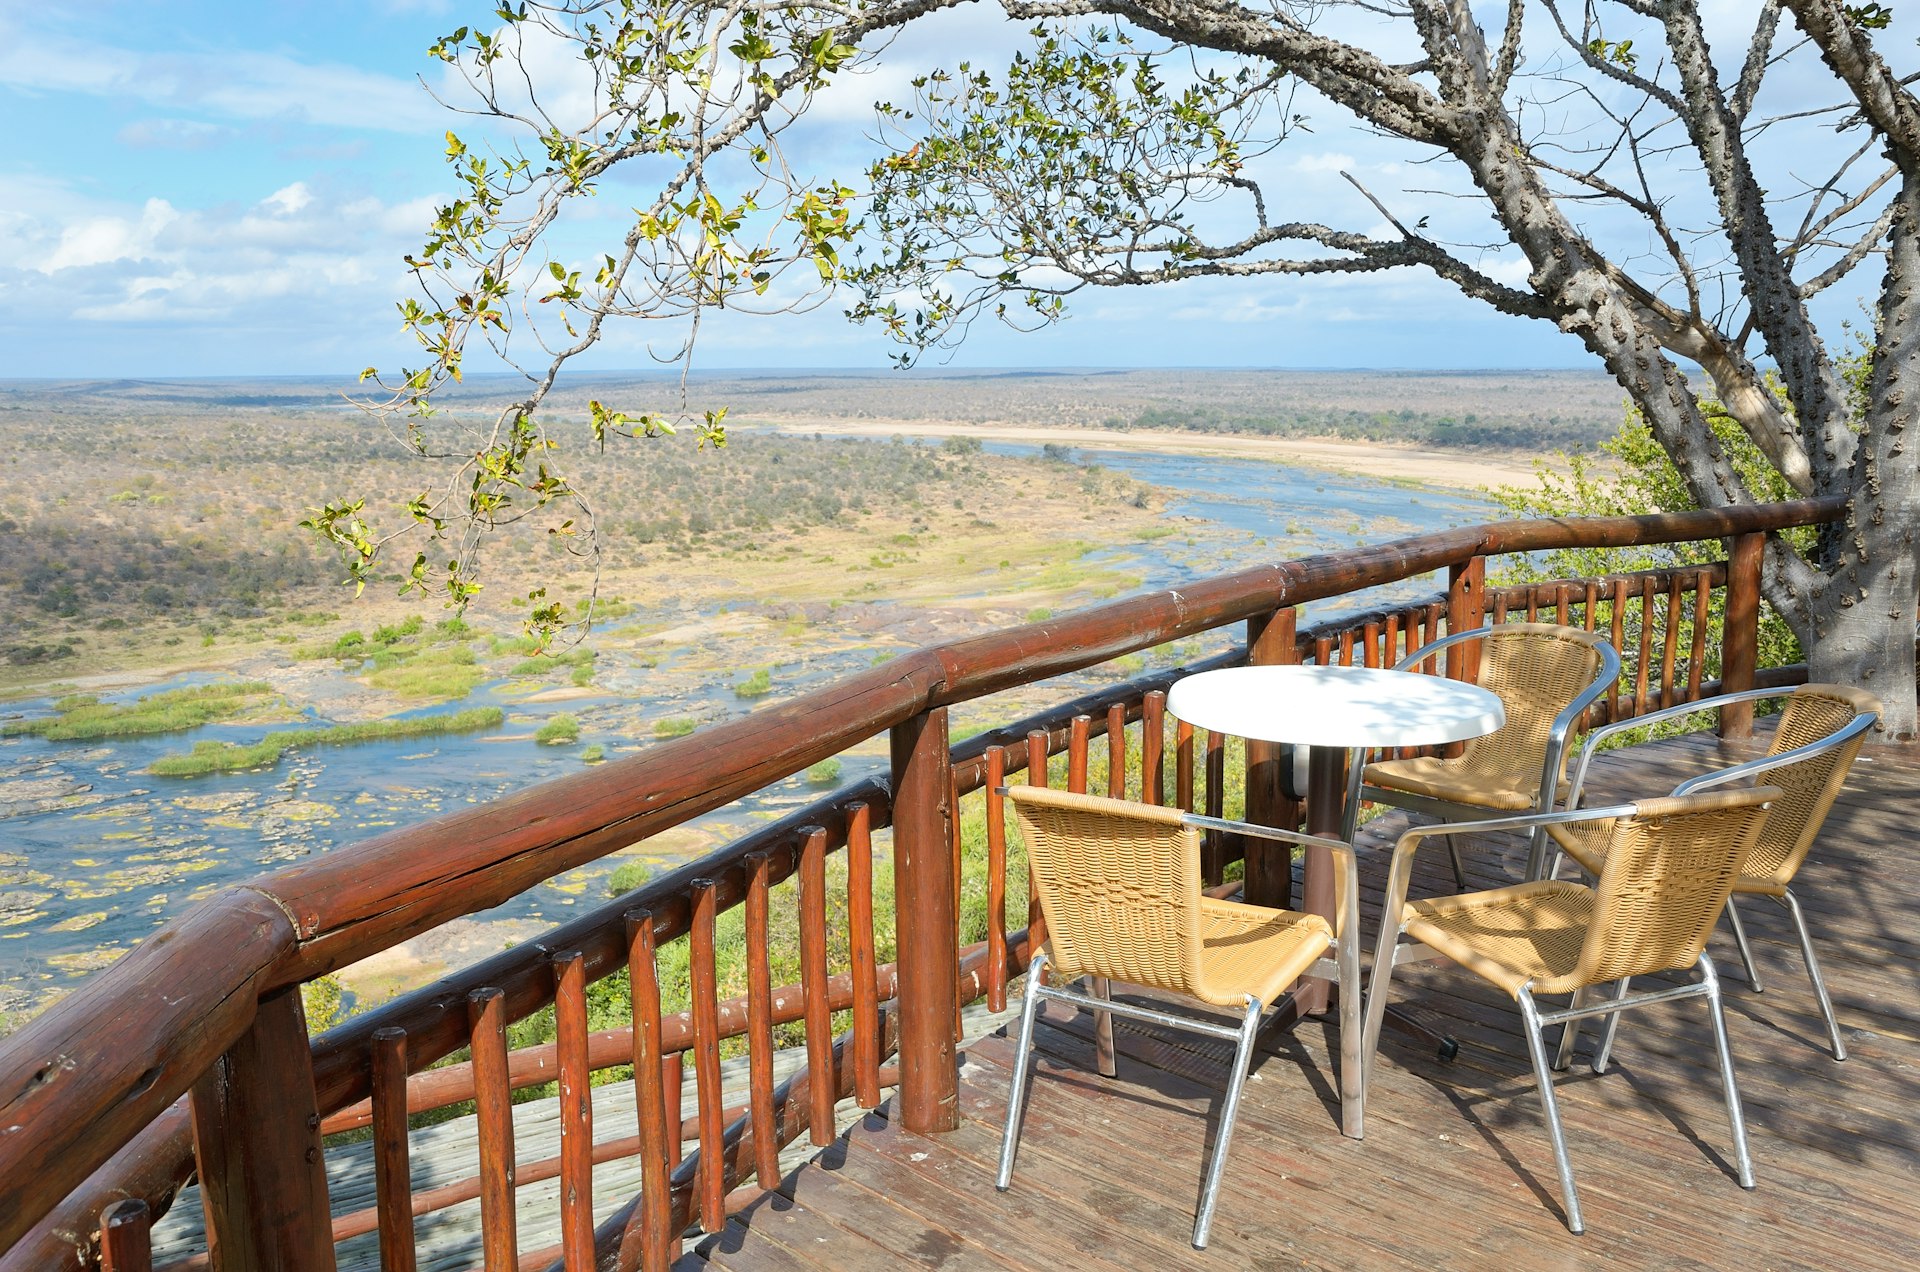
column 1455, row 470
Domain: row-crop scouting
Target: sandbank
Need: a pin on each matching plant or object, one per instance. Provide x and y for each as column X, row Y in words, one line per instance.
column 1453, row 470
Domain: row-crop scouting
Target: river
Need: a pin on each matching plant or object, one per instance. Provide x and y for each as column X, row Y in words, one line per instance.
column 96, row 853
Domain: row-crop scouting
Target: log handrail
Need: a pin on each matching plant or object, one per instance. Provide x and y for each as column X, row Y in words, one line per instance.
column 79, row 1082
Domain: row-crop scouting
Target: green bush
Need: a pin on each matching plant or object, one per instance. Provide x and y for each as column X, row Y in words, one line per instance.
column 758, row 685
column 562, row 729
column 673, row 727
column 593, row 754
column 1647, row 482
column 825, row 773
column 394, row 634
column 627, row 876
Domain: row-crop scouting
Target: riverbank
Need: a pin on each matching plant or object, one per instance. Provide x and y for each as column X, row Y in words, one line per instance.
column 1445, row 469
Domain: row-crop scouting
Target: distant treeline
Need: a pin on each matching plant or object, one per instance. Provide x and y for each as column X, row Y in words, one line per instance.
column 1548, row 431
column 63, row 571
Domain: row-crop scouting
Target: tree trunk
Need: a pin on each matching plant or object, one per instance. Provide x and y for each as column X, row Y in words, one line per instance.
column 1863, row 611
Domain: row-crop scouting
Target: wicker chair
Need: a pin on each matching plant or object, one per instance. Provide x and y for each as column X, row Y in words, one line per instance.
column 1546, row 676
column 1813, row 749
column 1119, row 885
column 1670, row 864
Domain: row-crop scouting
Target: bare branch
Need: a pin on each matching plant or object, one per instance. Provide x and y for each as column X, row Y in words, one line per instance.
column 1758, row 53
column 1883, row 97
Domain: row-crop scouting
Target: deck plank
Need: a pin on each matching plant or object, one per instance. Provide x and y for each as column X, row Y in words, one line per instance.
column 1456, row 1171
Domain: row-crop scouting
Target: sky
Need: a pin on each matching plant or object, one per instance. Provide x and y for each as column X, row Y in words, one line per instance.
column 221, row 188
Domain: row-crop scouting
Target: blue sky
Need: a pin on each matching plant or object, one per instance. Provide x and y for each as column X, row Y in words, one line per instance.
column 224, row 188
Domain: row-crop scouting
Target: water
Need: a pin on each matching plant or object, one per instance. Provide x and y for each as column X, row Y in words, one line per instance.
column 95, row 853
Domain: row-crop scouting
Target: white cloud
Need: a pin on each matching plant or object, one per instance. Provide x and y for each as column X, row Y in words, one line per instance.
column 289, row 200
column 103, row 239
column 248, row 85
column 298, row 259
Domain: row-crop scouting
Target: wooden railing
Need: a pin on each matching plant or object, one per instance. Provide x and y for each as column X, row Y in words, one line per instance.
column 95, row 1138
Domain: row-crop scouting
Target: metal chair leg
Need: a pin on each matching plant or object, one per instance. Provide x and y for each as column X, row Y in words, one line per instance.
column 1604, row 1051
column 1742, row 1161
column 1537, row 842
column 1242, row 1058
column 1017, row 1090
column 1459, row 867
column 1746, row 951
column 1103, row 1056
column 1543, row 1074
column 1813, row 971
column 1570, row 1033
column 1353, row 1069
column 1377, row 985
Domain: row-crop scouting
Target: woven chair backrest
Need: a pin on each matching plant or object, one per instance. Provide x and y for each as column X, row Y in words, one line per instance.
column 1119, row 884
column 1536, row 669
column 1669, row 869
column 1809, row 787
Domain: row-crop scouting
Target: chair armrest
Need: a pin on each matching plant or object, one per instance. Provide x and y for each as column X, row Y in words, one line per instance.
column 1596, row 736
column 1346, row 898
column 1720, row 777
column 1258, row 831
column 1431, row 648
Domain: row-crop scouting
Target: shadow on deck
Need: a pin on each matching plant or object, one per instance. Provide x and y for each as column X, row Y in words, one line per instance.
column 1456, row 1170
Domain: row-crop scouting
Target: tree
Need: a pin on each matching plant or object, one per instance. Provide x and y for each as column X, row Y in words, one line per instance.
column 1642, row 182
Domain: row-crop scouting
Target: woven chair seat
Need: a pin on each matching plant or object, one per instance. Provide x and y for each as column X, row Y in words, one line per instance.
column 1509, row 936
column 1250, row 949
column 1456, row 782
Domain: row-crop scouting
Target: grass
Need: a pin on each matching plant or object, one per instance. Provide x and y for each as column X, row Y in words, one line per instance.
column 758, row 685
column 228, row 757
column 825, row 773
column 540, row 664
column 82, row 717
column 673, row 727
column 558, row 731
column 593, row 754
column 427, row 673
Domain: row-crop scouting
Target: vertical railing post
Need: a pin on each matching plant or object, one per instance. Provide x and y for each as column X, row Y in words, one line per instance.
column 1466, row 610
column 256, row 1135
column 1269, row 877
column 925, row 923
column 1740, row 632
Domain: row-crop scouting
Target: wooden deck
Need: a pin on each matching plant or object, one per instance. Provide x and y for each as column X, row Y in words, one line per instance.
column 1456, row 1170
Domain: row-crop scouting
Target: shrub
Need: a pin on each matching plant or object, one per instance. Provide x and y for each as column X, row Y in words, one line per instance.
column 561, row 729
column 627, row 876
column 758, row 685
column 673, row 727
column 825, row 773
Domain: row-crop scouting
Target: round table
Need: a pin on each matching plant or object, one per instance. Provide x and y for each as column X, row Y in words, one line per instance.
column 1333, row 710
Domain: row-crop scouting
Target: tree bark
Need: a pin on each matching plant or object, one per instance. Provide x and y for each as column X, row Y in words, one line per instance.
column 1864, row 608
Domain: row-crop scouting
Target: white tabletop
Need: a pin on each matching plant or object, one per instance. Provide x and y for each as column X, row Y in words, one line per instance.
column 1335, row 706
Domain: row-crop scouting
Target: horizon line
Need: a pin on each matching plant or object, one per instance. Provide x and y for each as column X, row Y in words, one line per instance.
column 827, row 372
